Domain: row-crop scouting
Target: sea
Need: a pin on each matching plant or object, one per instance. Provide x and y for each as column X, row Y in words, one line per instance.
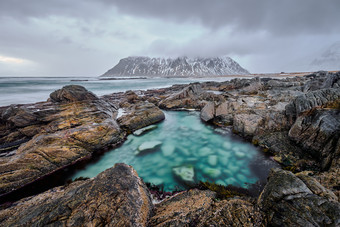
column 22, row 90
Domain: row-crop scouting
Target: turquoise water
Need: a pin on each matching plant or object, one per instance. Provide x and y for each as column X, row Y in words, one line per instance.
column 184, row 141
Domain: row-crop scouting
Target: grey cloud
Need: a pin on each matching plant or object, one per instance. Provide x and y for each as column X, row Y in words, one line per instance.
column 280, row 17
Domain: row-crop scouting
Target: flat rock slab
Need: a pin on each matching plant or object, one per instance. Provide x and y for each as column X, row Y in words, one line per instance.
column 148, row 146
column 142, row 131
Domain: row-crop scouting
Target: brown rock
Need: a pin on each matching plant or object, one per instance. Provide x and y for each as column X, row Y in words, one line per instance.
column 72, row 93
column 116, row 197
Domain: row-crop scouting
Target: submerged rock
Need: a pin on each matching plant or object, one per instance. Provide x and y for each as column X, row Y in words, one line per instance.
column 116, row 197
column 185, row 174
column 141, row 131
column 147, row 147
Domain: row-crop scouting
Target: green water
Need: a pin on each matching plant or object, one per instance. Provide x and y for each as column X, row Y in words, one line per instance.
column 185, row 141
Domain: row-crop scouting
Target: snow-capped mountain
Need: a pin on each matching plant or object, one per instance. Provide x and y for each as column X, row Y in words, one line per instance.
column 329, row 59
column 182, row 66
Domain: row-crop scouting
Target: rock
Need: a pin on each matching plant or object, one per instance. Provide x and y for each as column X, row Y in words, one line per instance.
column 89, row 202
column 200, row 208
column 72, row 93
column 140, row 115
column 311, row 100
column 212, row 160
column 68, row 134
column 185, row 174
column 246, row 124
column 148, row 146
column 288, row 201
column 222, row 109
column 168, row 149
column 144, row 130
column 208, row 112
column 186, row 98
column 319, row 132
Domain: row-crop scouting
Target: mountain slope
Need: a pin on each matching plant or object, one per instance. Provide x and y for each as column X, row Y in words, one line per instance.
column 182, row 66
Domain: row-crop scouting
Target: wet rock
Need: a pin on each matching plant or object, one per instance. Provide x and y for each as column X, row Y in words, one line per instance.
column 116, row 197
column 142, row 131
column 288, row 201
column 72, row 93
column 185, row 174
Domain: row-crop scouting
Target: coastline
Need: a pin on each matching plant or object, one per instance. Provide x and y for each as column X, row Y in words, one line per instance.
column 266, row 111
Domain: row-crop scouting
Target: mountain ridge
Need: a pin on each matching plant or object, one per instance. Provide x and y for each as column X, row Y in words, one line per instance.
column 177, row 67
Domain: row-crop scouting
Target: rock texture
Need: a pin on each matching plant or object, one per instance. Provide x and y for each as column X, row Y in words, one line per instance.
column 182, row 66
column 200, row 208
column 116, row 197
column 42, row 138
column 291, row 201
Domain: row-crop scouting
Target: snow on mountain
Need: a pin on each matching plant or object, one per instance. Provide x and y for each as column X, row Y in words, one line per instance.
column 182, row 66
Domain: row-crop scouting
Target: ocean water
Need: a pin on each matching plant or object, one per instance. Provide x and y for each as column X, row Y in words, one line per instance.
column 185, row 144
column 21, row 90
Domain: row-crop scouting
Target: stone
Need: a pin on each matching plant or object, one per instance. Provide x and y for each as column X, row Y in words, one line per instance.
column 72, row 93
column 208, row 112
column 185, row 174
column 140, row 115
column 288, row 201
column 168, row 149
column 142, row 131
column 148, row 146
column 319, row 132
column 87, row 202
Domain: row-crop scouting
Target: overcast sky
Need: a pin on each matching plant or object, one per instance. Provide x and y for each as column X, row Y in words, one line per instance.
column 87, row 37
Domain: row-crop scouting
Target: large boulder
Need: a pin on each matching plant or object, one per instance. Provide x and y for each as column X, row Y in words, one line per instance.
column 116, row 197
column 140, row 115
column 72, row 93
column 289, row 200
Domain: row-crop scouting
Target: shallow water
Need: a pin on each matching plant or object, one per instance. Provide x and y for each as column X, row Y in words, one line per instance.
column 185, row 141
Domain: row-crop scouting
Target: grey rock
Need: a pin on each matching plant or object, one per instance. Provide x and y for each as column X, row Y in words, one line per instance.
column 208, row 112
column 288, row 201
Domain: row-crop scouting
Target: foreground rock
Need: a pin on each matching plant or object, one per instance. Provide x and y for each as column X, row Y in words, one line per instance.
column 200, row 208
column 116, row 197
column 40, row 139
column 290, row 200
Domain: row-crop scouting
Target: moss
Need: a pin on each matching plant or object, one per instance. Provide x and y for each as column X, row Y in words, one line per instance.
column 255, row 142
column 292, row 169
column 333, row 105
column 223, row 192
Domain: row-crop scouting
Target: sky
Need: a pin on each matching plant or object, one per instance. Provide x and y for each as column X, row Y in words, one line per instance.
column 88, row 37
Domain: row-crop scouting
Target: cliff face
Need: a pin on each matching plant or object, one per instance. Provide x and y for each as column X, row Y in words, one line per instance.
column 183, row 66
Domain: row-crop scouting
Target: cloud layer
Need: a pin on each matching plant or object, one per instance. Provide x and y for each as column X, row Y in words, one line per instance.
column 86, row 37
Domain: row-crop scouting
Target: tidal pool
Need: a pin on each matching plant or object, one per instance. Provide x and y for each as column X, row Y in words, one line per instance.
column 190, row 148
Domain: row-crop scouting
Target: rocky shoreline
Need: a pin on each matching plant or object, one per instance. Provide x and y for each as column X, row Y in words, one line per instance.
column 296, row 119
